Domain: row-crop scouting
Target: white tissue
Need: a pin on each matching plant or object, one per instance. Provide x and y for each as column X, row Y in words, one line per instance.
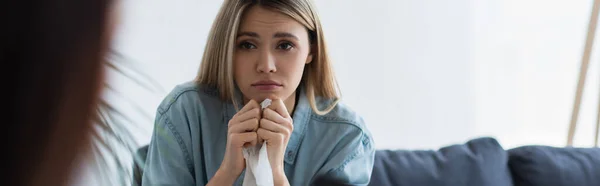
column 258, row 168
column 265, row 103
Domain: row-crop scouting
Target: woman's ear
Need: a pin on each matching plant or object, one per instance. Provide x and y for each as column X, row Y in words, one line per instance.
column 309, row 58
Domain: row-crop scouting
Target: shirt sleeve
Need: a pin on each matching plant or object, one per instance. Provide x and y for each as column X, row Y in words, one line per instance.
column 168, row 160
column 352, row 164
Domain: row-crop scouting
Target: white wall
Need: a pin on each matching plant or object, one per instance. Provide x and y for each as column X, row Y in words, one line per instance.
column 526, row 62
column 435, row 72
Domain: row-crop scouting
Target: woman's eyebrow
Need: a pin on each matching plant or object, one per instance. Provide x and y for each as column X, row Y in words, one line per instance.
column 285, row 34
column 250, row 34
column 276, row 35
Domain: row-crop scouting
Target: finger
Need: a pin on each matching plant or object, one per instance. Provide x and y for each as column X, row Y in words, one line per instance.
column 272, row 138
column 278, row 106
column 249, row 106
column 253, row 142
column 272, row 115
column 259, row 140
column 274, row 127
column 275, row 117
column 240, row 139
column 247, row 126
column 250, row 114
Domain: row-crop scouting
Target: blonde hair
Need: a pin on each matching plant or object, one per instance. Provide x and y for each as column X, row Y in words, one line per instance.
column 216, row 69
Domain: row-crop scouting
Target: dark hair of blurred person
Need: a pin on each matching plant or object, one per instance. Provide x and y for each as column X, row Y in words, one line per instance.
column 57, row 47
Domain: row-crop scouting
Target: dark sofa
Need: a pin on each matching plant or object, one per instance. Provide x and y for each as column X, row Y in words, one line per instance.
column 479, row 162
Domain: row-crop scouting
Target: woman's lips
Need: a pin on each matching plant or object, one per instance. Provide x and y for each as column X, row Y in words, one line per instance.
column 266, row 85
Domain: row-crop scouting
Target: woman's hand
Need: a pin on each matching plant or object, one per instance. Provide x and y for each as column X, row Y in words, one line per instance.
column 275, row 128
column 241, row 133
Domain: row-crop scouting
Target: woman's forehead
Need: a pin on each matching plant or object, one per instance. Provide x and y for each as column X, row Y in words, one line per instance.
column 262, row 20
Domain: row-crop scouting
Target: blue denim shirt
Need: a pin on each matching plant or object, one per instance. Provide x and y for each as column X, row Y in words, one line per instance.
column 190, row 133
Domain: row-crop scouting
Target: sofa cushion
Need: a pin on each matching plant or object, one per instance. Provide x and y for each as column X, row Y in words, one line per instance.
column 478, row 162
column 551, row 166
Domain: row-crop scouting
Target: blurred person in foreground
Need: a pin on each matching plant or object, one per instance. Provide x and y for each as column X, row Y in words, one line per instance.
column 55, row 49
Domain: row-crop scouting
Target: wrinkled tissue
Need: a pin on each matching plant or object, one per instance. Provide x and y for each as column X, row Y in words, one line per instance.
column 258, row 168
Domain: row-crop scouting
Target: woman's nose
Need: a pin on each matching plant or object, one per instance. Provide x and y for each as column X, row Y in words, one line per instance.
column 266, row 63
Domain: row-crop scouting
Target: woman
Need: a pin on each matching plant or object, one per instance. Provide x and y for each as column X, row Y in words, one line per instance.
column 257, row 50
column 55, row 49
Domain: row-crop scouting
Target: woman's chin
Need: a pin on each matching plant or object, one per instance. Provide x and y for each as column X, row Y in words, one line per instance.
column 261, row 97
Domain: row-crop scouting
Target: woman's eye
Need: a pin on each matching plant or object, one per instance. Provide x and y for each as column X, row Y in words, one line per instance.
column 247, row 45
column 285, row 46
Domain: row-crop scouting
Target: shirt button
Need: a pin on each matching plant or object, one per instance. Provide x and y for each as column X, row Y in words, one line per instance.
column 289, row 154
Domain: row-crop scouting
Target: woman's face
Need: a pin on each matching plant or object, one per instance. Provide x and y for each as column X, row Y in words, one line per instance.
column 270, row 54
